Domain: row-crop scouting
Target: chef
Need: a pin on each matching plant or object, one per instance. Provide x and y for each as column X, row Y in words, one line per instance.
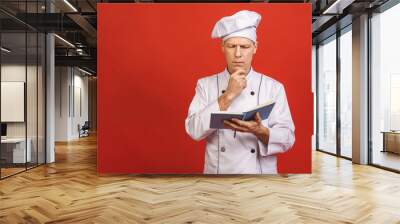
column 254, row 146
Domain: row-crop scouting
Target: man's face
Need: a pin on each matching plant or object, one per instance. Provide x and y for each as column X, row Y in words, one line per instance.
column 239, row 53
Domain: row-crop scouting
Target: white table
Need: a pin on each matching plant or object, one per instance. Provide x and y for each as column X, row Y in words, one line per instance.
column 18, row 150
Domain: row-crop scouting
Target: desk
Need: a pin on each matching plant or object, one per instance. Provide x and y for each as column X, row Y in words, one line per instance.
column 13, row 150
column 391, row 141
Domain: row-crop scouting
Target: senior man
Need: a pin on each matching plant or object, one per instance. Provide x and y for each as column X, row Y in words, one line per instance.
column 254, row 148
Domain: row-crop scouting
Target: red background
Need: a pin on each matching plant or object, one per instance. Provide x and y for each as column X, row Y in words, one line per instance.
column 149, row 59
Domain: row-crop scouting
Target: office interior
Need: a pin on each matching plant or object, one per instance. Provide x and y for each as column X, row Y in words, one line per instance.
column 49, row 82
column 48, row 75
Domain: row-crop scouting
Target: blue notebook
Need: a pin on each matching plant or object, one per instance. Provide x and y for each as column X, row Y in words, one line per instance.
column 217, row 118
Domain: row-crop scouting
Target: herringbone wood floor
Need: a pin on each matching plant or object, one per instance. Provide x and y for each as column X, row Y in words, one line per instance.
column 70, row 191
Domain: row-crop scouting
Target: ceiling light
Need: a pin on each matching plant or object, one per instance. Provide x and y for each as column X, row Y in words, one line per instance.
column 337, row 7
column 70, row 5
column 5, row 50
column 84, row 71
column 64, row 40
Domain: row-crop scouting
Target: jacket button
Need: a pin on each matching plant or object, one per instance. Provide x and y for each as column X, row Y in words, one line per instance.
column 252, row 93
column 252, row 150
column 222, row 149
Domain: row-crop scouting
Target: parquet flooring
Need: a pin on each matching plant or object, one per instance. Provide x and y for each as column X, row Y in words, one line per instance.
column 10, row 171
column 70, row 191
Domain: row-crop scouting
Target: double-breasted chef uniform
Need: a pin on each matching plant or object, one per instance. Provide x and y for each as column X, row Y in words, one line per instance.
column 243, row 154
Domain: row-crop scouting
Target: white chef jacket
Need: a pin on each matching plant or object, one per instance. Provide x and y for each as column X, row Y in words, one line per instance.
column 244, row 154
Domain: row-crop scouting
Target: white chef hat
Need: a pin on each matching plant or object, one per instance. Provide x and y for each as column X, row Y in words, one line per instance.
column 241, row 24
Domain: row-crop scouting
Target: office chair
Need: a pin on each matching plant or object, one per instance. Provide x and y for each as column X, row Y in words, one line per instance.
column 84, row 130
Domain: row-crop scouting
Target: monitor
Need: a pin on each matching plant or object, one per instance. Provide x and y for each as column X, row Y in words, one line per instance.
column 3, row 129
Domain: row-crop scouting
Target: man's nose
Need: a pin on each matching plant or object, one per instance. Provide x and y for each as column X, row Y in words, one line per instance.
column 238, row 52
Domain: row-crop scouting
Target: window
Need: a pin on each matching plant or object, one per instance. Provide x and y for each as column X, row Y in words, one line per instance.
column 385, row 88
column 327, row 95
column 346, row 74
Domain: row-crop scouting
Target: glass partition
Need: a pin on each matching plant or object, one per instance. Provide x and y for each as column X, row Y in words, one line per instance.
column 22, row 78
column 14, row 153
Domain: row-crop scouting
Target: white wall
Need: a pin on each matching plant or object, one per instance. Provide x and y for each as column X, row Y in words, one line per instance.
column 14, row 73
column 80, row 89
column 61, row 103
column 71, row 93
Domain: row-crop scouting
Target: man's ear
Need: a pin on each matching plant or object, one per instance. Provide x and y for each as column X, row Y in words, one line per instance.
column 222, row 47
column 255, row 47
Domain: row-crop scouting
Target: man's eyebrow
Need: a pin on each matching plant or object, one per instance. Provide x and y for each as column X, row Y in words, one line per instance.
column 230, row 44
column 243, row 45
